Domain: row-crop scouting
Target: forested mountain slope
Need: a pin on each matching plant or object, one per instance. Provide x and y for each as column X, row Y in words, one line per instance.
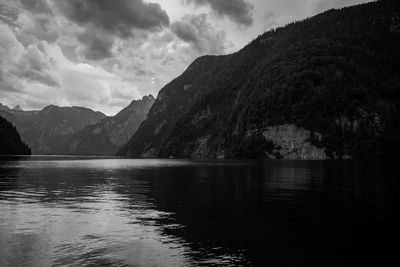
column 108, row 135
column 10, row 141
column 325, row 87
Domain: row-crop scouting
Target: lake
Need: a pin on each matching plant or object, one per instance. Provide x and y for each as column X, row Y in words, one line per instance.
column 69, row 211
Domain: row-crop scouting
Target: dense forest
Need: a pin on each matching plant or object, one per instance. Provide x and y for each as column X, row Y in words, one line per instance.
column 335, row 75
column 10, row 141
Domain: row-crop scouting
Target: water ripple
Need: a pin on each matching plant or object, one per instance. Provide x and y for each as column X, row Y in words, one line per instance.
column 123, row 212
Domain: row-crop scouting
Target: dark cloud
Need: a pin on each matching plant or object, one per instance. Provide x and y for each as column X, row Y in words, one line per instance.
column 37, row 26
column 8, row 14
column 239, row 11
column 9, row 86
column 36, row 66
column 45, row 30
column 196, row 31
column 97, row 45
column 117, row 17
column 41, row 28
column 36, row 6
column 185, row 31
column 69, row 51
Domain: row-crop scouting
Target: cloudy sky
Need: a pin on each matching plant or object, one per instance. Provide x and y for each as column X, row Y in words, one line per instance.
column 102, row 54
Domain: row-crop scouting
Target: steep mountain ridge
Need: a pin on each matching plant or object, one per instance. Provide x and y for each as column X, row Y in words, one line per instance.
column 108, row 135
column 334, row 77
column 10, row 141
column 4, row 107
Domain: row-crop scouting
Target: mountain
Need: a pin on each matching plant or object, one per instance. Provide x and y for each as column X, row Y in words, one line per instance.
column 10, row 141
column 108, row 135
column 18, row 108
column 324, row 87
column 45, row 130
column 4, row 108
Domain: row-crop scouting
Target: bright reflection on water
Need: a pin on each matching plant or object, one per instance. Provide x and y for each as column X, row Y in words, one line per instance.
column 126, row 212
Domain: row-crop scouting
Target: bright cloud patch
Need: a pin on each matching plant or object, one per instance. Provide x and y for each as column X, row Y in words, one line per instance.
column 239, row 11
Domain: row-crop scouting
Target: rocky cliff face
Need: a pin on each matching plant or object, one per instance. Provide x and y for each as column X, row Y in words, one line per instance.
column 336, row 74
column 108, row 135
column 10, row 141
column 292, row 142
column 45, row 130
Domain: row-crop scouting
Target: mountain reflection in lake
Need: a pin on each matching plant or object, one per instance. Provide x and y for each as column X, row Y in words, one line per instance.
column 126, row 212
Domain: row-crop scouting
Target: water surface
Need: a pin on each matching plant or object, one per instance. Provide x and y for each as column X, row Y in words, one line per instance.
column 57, row 211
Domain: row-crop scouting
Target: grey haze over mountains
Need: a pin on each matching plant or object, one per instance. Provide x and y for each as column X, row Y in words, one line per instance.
column 44, row 131
column 108, row 135
column 77, row 130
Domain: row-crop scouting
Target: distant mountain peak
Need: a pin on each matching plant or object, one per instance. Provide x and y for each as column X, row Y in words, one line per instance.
column 18, row 107
column 49, row 107
column 4, row 107
column 149, row 97
column 107, row 136
column 144, row 99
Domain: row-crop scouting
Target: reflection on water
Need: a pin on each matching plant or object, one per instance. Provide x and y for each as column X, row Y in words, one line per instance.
column 126, row 212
